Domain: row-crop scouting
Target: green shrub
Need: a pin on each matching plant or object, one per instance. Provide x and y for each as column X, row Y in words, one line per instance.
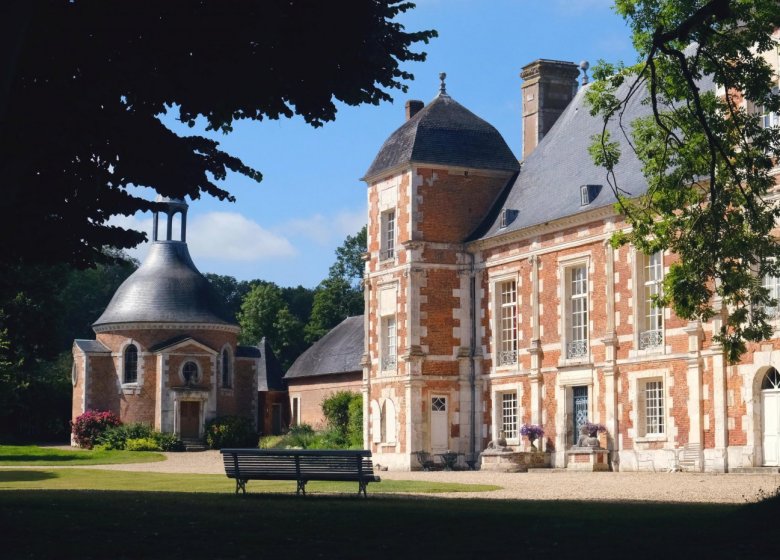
column 272, row 442
column 141, row 444
column 168, row 442
column 355, row 424
column 116, row 437
column 230, row 431
column 302, row 435
column 87, row 427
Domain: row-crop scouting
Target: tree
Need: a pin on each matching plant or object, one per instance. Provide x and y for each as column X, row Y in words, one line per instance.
column 83, row 83
column 707, row 158
column 340, row 295
column 230, row 290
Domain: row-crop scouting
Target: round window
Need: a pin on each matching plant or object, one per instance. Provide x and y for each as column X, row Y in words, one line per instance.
column 190, row 373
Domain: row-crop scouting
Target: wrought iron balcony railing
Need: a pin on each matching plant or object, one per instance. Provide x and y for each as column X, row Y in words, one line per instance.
column 651, row 339
column 577, row 349
column 389, row 362
column 507, row 357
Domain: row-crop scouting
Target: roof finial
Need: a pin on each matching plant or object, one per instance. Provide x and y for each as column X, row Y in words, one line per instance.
column 584, row 65
column 442, row 87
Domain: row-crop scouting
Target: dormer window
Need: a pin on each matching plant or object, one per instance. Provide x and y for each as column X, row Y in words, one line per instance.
column 584, row 195
column 507, row 217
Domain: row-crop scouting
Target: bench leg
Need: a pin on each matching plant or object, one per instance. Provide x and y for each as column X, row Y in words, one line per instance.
column 362, row 488
column 301, row 488
column 240, row 485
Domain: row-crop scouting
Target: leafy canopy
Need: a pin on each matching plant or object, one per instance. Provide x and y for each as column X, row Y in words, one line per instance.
column 707, row 158
column 83, row 82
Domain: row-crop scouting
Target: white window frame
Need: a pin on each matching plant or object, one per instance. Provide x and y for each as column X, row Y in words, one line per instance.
column 295, row 410
column 510, row 415
column 575, row 346
column 772, row 283
column 506, row 319
column 389, row 343
column 649, row 319
column 387, row 235
column 639, row 383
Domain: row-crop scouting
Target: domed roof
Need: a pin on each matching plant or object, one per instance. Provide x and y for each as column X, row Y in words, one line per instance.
column 166, row 288
column 444, row 132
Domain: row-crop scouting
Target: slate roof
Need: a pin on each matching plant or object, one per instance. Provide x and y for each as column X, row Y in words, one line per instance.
column 166, row 288
column 270, row 372
column 445, row 133
column 339, row 351
column 548, row 185
column 91, row 346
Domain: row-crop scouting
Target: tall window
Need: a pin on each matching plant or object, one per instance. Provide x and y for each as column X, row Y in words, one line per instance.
column 227, row 382
column 654, row 408
column 772, row 283
column 389, row 344
column 577, row 342
column 388, row 234
column 508, row 323
column 652, row 320
column 509, row 415
column 296, row 411
column 131, row 364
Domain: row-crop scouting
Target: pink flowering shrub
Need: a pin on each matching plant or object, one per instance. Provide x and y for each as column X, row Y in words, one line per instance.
column 87, row 427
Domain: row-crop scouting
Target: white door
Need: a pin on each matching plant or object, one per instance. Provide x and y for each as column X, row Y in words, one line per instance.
column 770, row 406
column 439, row 439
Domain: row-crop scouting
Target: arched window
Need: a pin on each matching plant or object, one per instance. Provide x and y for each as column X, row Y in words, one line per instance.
column 190, row 372
column 131, row 364
column 227, row 382
column 771, row 380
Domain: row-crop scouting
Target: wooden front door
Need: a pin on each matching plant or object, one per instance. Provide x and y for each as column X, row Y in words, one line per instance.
column 190, row 419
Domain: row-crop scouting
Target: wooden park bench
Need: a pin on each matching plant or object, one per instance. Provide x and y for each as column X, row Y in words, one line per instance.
column 300, row 465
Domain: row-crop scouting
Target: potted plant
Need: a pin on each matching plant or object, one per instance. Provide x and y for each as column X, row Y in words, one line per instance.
column 532, row 432
column 589, row 432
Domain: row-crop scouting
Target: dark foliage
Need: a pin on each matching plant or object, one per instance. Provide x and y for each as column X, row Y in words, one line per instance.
column 82, row 83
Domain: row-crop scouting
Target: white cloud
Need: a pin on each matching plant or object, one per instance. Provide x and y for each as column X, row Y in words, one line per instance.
column 325, row 230
column 224, row 236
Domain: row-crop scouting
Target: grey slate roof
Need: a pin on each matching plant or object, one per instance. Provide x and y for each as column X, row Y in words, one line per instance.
column 548, row 186
column 91, row 346
column 247, row 352
column 339, row 351
column 446, row 133
column 166, row 288
column 269, row 372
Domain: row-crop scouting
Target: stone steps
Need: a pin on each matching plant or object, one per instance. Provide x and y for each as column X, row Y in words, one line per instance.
column 755, row 470
column 193, row 445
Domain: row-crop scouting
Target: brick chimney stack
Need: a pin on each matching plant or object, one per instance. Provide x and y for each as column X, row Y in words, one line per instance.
column 548, row 88
column 413, row 106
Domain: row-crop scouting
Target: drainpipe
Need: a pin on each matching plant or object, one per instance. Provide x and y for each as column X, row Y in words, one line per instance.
column 472, row 356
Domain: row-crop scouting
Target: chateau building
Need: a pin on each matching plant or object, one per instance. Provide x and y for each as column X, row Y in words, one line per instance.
column 165, row 353
column 494, row 298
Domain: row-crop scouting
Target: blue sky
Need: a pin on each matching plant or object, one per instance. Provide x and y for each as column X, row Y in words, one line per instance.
column 286, row 228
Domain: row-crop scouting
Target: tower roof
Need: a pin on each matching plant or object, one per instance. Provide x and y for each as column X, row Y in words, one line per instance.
column 444, row 132
column 166, row 288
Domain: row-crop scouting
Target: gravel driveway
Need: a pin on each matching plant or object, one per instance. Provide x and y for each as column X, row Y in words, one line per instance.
column 539, row 484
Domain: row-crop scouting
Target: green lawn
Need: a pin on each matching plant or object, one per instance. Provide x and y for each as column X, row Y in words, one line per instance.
column 93, row 479
column 14, row 455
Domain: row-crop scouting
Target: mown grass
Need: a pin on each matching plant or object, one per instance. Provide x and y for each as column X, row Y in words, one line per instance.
column 15, row 455
column 92, row 479
column 89, row 524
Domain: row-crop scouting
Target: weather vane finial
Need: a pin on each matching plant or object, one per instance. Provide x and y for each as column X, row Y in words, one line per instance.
column 442, row 87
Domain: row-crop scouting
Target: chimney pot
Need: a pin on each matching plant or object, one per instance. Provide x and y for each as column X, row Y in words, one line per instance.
column 413, row 106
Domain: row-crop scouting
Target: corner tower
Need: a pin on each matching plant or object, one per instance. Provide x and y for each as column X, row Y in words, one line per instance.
column 430, row 186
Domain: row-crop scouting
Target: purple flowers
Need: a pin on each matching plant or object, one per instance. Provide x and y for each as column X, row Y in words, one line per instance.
column 532, row 431
column 592, row 429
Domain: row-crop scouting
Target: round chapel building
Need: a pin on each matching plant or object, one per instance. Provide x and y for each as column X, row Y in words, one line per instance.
column 165, row 352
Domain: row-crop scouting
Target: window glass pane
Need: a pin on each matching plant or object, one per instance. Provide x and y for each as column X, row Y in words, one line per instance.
column 509, row 414
column 131, row 364
column 651, row 335
column 389, row 343
column 508, row 326
column 654, row 407
column 225, row 368
column 578, row 318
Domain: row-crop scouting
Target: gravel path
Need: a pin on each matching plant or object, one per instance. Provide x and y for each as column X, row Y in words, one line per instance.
column 538, row 484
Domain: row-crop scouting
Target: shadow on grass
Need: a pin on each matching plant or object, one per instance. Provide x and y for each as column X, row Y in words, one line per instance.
column 100, row 524
column 7, row 475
